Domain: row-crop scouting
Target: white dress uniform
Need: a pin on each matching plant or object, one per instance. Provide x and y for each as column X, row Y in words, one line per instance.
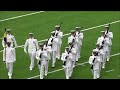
column 73, row 51
column 70, row 39
column 105, row 50
column 9, row 58
column 10, row 38
column 54, row 48
column 100, row 55
column 49, row 51
column 95, row 69
column 80, row 39
column 32, row 45
column 60, row 35
column 42, row 62
column 100, row 40
column 110, row 35
column 68, row 67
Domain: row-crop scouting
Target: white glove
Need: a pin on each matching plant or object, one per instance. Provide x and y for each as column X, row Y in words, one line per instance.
column 16, row 47
column 25, row 51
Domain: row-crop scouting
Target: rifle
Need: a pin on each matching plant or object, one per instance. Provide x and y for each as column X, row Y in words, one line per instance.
column 5, row 40
column 93, row 62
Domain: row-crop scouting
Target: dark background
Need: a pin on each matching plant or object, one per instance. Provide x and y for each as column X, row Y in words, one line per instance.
column 60, row 5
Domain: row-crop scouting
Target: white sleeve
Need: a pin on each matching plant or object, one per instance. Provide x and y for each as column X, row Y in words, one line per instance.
column 25, row 46
column 56, row 40
column 37, row 55
column 36, row 42
column 98, row 41
column 76, row 40
column 3, row 43
column 60, row 34
column 13, row 38
column 81, row 36
column 45, row 54
column 107, row 41
column 110, row 35
column 98, row 59
column 69, row 40
column 90, row 60
column 74, row 51
column 14, row 54
column 49, row 41
column 49, row 49
column 63, row 56
column 4, row 54
column 101, row 52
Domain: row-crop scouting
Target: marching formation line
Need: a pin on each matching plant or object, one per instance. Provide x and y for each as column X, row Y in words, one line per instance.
column 21, row 16
column 75, row 65
column 81, row 30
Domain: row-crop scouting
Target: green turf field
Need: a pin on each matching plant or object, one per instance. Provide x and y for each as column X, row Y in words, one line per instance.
column 42, row 24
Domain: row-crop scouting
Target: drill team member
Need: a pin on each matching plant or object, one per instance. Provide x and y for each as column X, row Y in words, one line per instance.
column 9, row 58
column 32, row 45
column 72, row 49
column 67, row 62
column 53, row 41
column 8, row 37
column 79, row 34
column 110, row 36
column 104, row 42
column 59, row 36
column 94, row 62
column 42, row 58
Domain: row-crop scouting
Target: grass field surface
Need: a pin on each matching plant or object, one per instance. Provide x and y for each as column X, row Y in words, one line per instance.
column 41, row 24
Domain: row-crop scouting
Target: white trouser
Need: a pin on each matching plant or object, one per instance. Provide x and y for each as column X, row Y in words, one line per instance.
column 43, row 68
column 32, row 58
column 77, row 55
column 79, row 50
column 95, row 74
column 105, row 57
column 99, row 70
column 73, row 61
column 109, row 52
column 58, row 51
column 53, row 58
column 9, row 66
column 68, row 71
column 4, row 57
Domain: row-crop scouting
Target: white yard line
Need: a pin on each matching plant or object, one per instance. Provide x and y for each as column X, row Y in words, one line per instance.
column 81, row 30
column 94, row 27
column 57, row 70
column 115, row 55
column 75, row 65
column 110, row 70
column 21, row 16
column 118, row 75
